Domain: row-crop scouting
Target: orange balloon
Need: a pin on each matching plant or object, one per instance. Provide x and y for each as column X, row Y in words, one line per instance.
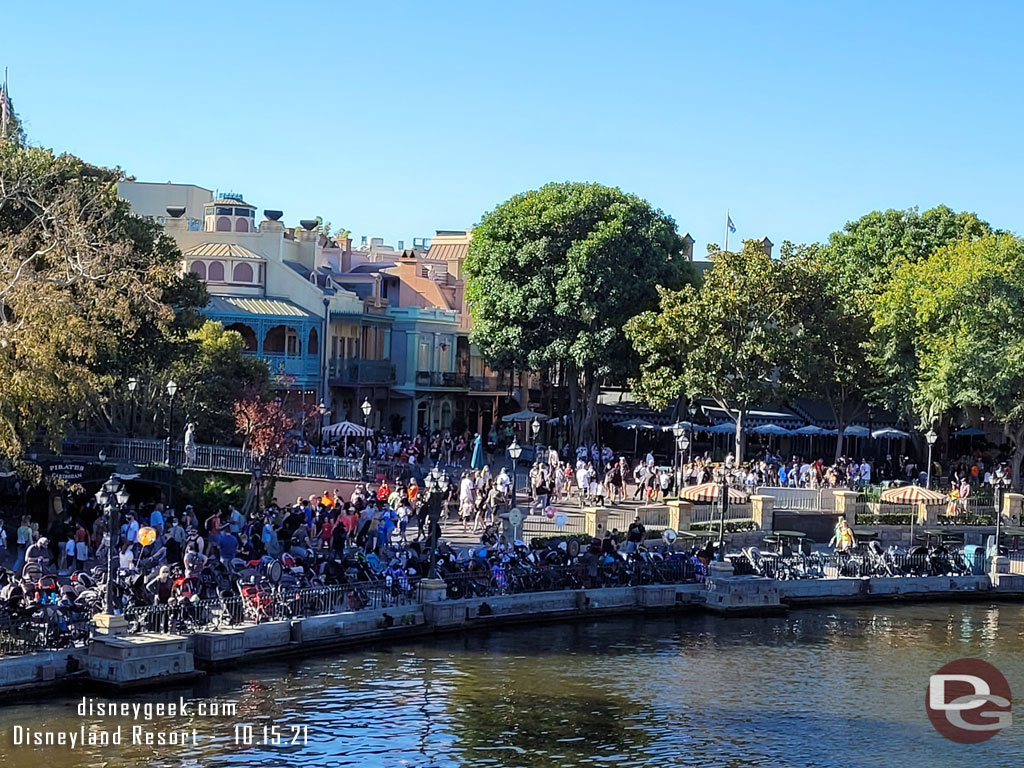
column 147, row 536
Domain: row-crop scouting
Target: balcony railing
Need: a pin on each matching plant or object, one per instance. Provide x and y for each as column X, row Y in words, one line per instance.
column 289, row 365
column 494, row 383
column 358, row 371
column 451, row 379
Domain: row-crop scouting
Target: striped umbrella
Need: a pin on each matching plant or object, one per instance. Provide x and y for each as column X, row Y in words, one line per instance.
column 912, row 494
column 710, row 491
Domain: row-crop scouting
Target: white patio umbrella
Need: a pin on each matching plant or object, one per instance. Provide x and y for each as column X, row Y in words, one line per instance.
column 344, row 429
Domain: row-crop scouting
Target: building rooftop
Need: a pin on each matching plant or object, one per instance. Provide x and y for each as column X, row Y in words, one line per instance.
column 244, row 305
column 221, row 251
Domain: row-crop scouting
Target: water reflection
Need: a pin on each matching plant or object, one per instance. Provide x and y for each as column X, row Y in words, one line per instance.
column 820, row 687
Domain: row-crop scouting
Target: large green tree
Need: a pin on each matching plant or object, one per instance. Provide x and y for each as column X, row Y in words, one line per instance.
column 962, row 309
column 728, row 339
column 860, row 261
column 87, row 289
column 554, row 274
column 827, row 358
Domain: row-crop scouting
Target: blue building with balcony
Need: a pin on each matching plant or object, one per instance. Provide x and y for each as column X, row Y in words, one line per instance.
column 278, row 331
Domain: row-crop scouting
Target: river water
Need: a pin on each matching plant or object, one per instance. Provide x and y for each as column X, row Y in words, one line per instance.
column 820, row 687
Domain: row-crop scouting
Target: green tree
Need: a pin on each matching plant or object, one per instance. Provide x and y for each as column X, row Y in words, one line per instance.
column 830, row 329
column 861, row 260
column 727, row 340
column 554, row 274
column 85, row 289
column 963, row 310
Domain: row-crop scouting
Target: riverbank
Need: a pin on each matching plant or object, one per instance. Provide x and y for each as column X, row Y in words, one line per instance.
column 154, row 660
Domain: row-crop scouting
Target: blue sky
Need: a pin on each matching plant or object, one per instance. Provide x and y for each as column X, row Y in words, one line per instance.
column 396, row 119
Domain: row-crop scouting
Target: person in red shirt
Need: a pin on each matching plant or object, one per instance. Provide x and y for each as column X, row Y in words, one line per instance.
column 383, row 492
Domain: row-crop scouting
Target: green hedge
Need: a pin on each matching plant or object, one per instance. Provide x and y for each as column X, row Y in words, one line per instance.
column 888, row 518
column 735, row 526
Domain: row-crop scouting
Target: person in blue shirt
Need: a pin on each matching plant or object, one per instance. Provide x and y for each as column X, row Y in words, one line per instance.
column 782, row 475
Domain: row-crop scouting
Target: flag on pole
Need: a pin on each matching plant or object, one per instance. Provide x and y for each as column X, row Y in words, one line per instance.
column 5, row 108
column 732, row 227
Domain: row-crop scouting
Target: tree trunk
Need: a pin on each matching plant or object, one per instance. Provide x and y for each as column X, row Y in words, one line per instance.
column 840, row 425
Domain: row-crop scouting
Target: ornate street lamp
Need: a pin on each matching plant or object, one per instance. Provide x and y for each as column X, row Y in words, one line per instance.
column 112, row 497
column 930, row 437
column 172, row 390
column 133, row 384
column 366, row 408
column 535, row 427
column 514, row 451
column 1001, row 481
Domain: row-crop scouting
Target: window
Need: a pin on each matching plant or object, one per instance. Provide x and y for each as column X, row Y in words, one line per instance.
column 215, row 272
column 222, row 211
column 198, row 269
column 383, row 289
column 424, row 356
column 223, row 224
column 242, row 212
column 210, row 211
column 243, row 273
column 242, row 225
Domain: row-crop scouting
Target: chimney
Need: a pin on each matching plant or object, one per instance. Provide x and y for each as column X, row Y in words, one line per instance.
column 766, row 246
column 272, row 222
column 175, row 218
column 401, row 245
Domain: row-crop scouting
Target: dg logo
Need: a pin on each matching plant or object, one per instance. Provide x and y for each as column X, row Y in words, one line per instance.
column 968, row 701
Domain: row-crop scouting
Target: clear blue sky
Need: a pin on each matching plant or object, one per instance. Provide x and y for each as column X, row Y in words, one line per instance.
column 396, row 119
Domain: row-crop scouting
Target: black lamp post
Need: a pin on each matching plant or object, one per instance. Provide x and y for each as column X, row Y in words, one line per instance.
column 172, row 390
column 112, row 497
column 133, row 384
column 323, row 410
column 366, row 408
column 514, row 451
column 684, row 447
column 693, row 415
column 930, row 437
column 1000, row 480
column 723, row 503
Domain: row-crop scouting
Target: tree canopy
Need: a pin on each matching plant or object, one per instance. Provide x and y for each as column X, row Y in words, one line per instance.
column 554, row 274
column 725, row 340
column 962, row 310
column 86, row 290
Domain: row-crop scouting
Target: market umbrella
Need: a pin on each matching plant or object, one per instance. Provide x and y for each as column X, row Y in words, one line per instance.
column 856, row 431
column 771, row 429
column 710, row 492
column 810, row 430
column 911, row 494
column 890, row 434
column 970, row 432
column 525, row 415
column 725, row 428
column 344, row 429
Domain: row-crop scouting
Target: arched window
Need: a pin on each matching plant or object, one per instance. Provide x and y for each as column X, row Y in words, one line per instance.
column 223, row 224
column 215, row 272
column 198, row 268
column 243, row 273
column 242, row 225
column 312, row 347
column 248, row 334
